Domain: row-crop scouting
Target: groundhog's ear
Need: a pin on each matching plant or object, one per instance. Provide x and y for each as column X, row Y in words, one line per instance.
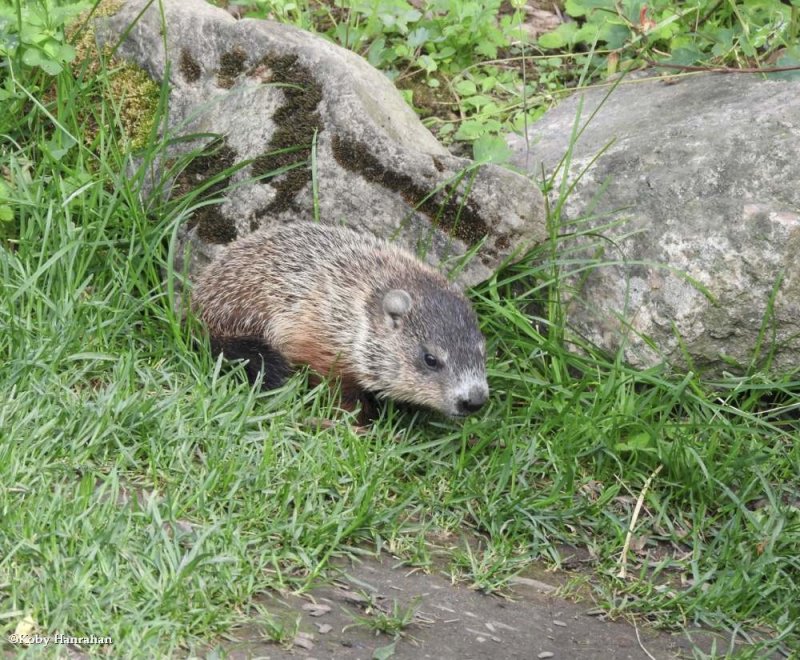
column 396, row 304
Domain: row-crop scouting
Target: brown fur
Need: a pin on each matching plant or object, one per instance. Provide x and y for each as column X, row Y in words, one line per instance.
column 319, row 296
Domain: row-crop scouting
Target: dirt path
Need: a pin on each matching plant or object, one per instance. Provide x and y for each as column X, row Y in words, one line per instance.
column 450, row 621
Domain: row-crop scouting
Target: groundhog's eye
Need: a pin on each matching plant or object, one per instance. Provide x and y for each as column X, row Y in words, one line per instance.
column 431, row 360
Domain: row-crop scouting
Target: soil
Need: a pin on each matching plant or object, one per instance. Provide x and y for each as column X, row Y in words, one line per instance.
column 447, row 621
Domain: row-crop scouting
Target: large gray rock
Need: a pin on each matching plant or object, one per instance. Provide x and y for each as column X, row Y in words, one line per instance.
column 265, row 88
column 704, row 179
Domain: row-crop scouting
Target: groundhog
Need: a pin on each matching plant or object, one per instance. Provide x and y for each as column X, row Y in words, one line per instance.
column 351, row 307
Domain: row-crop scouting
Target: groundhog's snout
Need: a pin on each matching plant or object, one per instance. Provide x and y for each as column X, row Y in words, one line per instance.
column 473, row 401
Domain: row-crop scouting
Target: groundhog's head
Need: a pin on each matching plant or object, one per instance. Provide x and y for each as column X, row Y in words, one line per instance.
column 426, row 348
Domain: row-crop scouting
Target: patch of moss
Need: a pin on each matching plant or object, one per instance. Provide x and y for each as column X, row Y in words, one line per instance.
column 103, row 8
column 129, row 87
column 461, row 219
column 215, row 158
column 138, row 96
column 296, row 120
column 189, row 67
column 231, row 66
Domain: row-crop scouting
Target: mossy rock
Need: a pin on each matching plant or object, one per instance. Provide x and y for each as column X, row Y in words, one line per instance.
column 312, row 130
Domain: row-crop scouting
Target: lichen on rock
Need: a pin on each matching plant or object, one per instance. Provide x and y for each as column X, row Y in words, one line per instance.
column 297, row 120
column 189, row 67
column 231, row 66
column 210, row 163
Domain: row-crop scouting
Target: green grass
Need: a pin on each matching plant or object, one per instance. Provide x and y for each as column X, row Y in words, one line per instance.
column 149, row 496
column 390, row 620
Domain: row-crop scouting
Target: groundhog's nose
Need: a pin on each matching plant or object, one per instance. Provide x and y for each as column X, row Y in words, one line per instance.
column 474, row 401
